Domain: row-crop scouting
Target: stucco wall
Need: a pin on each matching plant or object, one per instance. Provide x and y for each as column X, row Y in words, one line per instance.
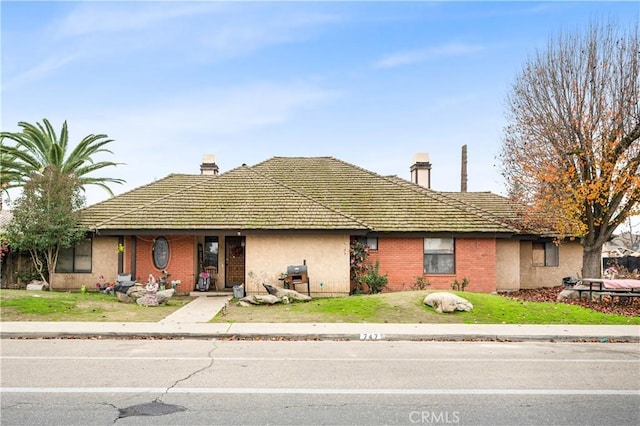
column 507, row 265
column 570, row 264
column 327, row 260
column 104, row 261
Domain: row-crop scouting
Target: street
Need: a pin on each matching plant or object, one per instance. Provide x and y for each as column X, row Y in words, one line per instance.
column 203, row 382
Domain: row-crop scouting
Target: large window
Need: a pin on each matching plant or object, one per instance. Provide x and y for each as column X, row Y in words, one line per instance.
column 76, row 258
column 545, row 254
column 439, row 256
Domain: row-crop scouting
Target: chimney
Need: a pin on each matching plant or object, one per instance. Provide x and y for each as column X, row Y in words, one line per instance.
column 463, row 170
column 209, row 166
column 421, row 170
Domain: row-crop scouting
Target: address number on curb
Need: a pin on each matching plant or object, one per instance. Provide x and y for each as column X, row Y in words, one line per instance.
column 370, row 336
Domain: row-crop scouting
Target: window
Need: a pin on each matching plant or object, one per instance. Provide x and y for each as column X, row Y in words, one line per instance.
column 372, row 242
column 210, row 251
column 161, row 252
column 545, row 254
column 76, row 258
column 439, row 256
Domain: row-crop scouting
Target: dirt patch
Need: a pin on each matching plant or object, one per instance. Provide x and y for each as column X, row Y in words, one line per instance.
column 628, row 308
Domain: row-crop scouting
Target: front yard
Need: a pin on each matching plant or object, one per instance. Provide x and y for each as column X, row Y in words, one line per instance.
column 23, row 305
column 399, row 307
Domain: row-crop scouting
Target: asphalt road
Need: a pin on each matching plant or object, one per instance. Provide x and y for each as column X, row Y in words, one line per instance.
column 205, row 382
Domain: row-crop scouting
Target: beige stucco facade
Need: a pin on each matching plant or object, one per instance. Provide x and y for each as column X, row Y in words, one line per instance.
column 570, row 264
column 507, row 265
column 326, row 256
column 104, row 262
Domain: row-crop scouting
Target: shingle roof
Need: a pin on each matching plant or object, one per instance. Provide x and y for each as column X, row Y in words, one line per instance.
column 238, row 199
column 385, row 204
column 298, row 193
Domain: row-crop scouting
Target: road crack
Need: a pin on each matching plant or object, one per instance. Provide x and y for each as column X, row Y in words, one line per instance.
column 192, row 374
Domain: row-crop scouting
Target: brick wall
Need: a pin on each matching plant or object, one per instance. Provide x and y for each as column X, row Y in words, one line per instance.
column 402, row 260
column 181, row 264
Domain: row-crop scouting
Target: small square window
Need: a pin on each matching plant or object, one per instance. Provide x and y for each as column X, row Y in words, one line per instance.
column 545, row 254
column 371, row 242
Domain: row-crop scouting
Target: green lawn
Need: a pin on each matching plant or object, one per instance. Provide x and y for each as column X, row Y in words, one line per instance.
column 407, row 307
column 400, row 307
column 22, row 305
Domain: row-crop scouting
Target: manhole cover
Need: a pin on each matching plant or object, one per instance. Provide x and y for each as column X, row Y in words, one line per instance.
column 155, row 408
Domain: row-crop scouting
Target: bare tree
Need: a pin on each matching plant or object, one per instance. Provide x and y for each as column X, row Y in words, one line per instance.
column 571, row 148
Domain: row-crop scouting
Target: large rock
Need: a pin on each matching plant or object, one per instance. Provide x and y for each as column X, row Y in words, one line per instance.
column 164, row 295
column 447, row 302
column 37, row 285
column 260, row 299
column 136, row 291
column 280, row 293
column 569, row 294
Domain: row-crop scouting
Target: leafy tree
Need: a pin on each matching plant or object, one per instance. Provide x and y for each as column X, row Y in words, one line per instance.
column 46, row 218
column 571, row 150
column 38, row 146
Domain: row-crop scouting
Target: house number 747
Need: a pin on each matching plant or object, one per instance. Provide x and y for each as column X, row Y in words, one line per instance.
column 370, row 336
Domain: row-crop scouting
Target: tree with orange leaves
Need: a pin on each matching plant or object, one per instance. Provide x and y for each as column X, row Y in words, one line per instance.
column 571, row 148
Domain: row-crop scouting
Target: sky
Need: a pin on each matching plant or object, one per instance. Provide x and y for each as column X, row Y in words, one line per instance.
column 370, row 83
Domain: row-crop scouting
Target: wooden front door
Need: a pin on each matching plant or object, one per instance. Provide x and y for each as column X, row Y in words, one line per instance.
column 234, row 258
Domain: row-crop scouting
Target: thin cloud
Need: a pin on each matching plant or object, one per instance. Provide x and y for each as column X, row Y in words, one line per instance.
column 109, row 17
column 39, row 71
column 410, row 57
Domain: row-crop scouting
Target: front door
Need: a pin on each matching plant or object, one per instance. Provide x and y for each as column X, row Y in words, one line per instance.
column 234, row 255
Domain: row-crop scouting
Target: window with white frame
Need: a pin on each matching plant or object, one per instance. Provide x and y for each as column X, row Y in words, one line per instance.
column 439, row 256
column 545, row 254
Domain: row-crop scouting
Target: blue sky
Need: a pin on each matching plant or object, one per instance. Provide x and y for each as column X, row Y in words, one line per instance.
column 369, row 83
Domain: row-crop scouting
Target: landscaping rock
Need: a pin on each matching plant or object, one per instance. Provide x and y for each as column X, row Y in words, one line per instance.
column 37, row 285
column 447, row 302
column 136, row 291
column 285, row 292
column 260, row 299
column 164, row 295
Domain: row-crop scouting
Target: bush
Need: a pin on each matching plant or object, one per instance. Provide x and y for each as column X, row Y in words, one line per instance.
column 374, row 280
column 421, row 283
column 460, row 286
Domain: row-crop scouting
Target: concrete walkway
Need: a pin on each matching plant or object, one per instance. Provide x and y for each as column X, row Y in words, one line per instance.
column 191, row 321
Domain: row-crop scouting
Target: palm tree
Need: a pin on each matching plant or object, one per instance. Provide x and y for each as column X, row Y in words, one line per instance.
column 38, row 147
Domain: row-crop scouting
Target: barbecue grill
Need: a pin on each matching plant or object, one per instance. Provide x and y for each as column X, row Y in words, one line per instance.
column 297, row 274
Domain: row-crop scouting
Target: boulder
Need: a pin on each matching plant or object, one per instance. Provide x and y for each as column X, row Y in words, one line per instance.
column 164, row 295
column 570, row 294
column 285, row 292
column 259, row 299
column 447, row 302
column 136, row 291
column 37, row 285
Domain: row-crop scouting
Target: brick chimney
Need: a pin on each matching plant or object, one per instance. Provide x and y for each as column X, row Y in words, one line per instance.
column 209, row 166
column 421, row 170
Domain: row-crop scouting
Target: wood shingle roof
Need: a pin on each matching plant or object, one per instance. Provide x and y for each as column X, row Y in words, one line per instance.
column 299, row 193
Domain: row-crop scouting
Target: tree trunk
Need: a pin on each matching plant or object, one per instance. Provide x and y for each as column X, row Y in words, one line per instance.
column 592, row 261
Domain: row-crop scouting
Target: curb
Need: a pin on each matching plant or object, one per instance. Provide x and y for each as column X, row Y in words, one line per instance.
column 322, row 336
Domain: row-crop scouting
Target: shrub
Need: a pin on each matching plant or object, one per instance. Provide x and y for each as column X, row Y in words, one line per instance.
column 374, row 280
column 421, row 283
column 460, row 286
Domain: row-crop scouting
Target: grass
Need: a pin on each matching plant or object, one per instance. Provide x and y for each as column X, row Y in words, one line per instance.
column 400, row 307
column 21, row 305
column 407, row 307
